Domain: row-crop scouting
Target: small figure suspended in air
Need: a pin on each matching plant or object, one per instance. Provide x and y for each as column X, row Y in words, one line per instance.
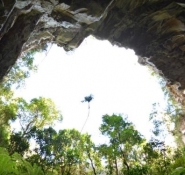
column 88, row 98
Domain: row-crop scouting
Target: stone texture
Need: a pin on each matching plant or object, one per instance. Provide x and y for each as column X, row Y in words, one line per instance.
column 155, row 29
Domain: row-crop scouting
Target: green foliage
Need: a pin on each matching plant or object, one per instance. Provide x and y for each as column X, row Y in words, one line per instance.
column 22, row 69
column 16, row 165
column 122, row 140
column 6, row 161
column 16, row 76
column 8, row 111
column 119, row 130
column 39, row 113
column 69, row 152
column 18, row 144
column 179, row 171
column 137, row 170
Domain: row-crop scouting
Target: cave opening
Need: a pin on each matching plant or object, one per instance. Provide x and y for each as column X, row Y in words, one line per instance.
column 119, row 84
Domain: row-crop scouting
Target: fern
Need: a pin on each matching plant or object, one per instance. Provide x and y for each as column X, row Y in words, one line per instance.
column 179, row 171
column 7, row 166
column 16, row 165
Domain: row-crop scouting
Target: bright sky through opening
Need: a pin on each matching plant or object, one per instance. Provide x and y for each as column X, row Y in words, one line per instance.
column 119, row 85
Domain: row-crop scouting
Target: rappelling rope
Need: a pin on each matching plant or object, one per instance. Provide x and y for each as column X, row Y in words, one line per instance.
column 45, row 55
column 86, row 118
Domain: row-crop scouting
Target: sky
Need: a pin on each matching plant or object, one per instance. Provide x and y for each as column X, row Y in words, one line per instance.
column 119, row 84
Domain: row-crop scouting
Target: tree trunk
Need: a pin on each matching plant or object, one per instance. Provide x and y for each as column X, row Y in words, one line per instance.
column 116, row 165
column 62, row 170
column 92, row 165
column 126, row 164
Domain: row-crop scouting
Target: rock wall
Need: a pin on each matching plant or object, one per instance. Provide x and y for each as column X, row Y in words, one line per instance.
column 155, row 29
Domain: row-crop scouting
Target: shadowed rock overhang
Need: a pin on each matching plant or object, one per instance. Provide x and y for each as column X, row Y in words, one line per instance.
column 155, row 29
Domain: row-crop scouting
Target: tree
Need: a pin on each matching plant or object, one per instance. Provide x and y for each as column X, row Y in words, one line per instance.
column 8, row 112
column 23, row 68
column 91, row 154
column 122, row 138
column 66, row 150
column 44, row 153
column 16, row 76
column 39, row 112
column 18, row 144
column 57, row 152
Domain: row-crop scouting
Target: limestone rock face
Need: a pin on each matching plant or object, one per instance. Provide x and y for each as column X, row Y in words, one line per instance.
column 155, row 29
